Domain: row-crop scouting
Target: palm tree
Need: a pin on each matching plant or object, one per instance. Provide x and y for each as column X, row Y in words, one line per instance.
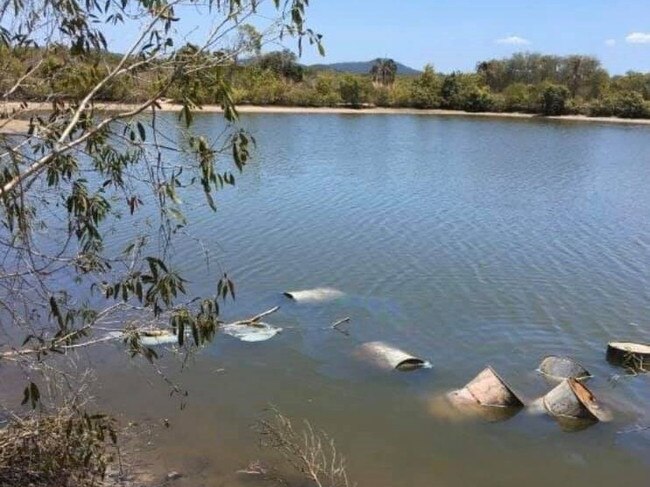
column 383, row 71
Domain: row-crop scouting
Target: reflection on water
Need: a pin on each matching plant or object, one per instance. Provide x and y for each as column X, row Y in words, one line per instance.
column 467, row 242
column 449, row 407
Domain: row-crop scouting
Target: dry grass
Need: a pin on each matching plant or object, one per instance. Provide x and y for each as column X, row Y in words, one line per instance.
column 69, row 448
column 311, row 453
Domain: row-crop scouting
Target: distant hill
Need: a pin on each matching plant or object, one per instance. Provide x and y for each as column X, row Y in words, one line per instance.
column 359, row 67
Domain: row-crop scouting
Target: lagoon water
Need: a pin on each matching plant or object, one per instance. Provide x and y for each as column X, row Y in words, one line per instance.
column 466, row 241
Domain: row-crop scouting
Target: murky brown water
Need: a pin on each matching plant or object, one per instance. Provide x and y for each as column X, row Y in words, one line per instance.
column 467, row 242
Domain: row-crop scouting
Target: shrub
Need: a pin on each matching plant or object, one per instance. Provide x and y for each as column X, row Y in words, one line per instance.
column 624, row 105
column 400, row 94
column 381, row 96
column 553, row 99
column 577, row 106
column 630, row 105
column 478, row 100
column 67, row 448
column 517, row 97
column 326, row 93
column 351, row 90
column 425, row 90
column 451, row 92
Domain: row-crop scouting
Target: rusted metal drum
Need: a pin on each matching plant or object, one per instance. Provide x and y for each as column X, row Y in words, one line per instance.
column 487, row 397
column 632, row 355
column 571, row 399
column 466, row 406
column 489, row 389
column 558, row 368
column 388, row 357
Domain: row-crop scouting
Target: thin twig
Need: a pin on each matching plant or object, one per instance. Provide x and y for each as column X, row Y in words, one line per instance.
column 255, row 318
column 311, row 453
column 335, row 325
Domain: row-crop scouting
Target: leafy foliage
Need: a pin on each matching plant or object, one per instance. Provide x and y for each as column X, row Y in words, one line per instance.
column 425, row 90
column 282, row 63
column 80, row 171
column 553, row 99
column 91, row 162
column 383, row 71
column 351, row 90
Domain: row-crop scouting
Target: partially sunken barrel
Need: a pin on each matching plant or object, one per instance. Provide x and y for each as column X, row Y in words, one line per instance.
column 151, row 338
column 628, row 354
column 314, row 295
column 571, row 399
column 487, row 389
column 491, row 390
column 558, row 368
column 465, row 406
column 388, row 357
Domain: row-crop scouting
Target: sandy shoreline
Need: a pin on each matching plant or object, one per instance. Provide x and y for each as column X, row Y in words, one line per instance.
column 20, row 126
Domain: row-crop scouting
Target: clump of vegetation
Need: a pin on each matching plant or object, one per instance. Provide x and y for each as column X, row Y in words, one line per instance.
column 352, row 90
column 65, row 448
column 310, row 453
column 553, row 99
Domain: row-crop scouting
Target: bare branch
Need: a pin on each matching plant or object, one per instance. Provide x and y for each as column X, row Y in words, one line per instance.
column 311, row 453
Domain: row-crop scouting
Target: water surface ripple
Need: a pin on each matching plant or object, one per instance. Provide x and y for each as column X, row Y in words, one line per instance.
column 467, row 241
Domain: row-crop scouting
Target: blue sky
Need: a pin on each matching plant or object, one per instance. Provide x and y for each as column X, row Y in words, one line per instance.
column 455, row 34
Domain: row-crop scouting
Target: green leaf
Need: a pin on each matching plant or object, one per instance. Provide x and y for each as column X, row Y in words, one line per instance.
column 181, row 332
column 195, row 334
column 25, row 396
column 142, row 131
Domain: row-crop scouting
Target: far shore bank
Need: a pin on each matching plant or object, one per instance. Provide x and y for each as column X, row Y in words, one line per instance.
column 21, row 125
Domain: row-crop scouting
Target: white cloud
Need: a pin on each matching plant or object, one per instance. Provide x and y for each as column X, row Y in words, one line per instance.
column 610, row 42
column 513, row 41
column 638, row 38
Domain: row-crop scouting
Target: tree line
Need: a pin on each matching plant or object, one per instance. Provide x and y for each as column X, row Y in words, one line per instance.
column 524, row 82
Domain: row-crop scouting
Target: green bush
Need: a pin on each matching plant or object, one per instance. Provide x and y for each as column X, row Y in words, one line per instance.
column 425, row 90
column 553, row 99
column 518, row 98
column 630, row 105
column 351, row 90
column 478, row 100
column 451, row 92
column 624, row 105
column 401, row 92
column 283, row 63
column 381, row 96
column 325, row 90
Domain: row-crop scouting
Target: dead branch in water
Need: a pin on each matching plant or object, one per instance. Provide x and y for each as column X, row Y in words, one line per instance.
column 58, row 344
column 255, row 319
column 311, row 453
column 336, row 324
